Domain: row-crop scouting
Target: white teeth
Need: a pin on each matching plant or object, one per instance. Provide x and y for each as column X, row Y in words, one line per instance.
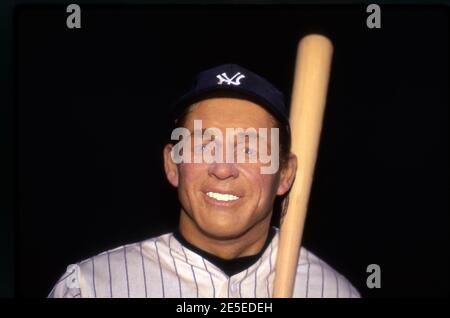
column 222, row 196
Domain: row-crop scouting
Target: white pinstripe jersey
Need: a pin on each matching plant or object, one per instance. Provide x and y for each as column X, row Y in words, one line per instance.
column 162, row 267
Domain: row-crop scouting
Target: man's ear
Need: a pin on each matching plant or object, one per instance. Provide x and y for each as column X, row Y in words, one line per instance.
column 287, row 174
column 170, row 167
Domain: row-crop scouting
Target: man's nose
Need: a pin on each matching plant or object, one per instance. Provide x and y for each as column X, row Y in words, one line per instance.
column 223, row 170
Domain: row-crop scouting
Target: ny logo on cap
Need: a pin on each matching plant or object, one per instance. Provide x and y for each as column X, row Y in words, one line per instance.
column 234, row 80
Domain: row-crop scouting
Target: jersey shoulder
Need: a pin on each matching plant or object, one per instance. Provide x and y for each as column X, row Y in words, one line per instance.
column 94, row 276
column 317, row 279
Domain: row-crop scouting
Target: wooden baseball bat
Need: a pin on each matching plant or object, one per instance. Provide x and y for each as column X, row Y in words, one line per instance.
column 312, row 72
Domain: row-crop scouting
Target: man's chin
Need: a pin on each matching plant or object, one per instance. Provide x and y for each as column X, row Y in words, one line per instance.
column 223, row 234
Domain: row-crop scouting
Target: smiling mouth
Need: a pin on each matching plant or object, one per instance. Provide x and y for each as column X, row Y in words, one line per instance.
column 222, row 197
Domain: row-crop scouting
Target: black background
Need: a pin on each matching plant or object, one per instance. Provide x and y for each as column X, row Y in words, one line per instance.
column 92, row 117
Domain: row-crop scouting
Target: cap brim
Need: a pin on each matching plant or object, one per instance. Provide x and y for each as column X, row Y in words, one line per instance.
column 226, row 91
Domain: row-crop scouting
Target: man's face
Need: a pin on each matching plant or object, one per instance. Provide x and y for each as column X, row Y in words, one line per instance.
column 225, row 200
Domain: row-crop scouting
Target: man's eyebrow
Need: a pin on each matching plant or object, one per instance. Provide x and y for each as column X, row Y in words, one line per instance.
column 240, row 133
column 197, row 131
column 201, row 132
column 254, row 133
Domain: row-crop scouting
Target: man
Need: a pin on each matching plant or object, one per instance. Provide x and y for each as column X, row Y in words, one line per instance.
column 227, row 183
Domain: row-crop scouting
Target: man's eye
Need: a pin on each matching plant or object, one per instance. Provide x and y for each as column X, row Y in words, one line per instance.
column 201, row 148
column 249, row 151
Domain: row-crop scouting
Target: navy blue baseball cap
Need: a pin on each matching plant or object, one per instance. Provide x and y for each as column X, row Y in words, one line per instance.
column 234, row 80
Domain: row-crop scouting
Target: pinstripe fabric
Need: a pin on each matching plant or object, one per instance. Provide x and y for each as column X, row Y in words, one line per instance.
column 143, row 270
column 192, row 269
column 162, row 267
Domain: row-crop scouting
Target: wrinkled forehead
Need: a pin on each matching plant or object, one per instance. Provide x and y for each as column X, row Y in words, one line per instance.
column 226, row 112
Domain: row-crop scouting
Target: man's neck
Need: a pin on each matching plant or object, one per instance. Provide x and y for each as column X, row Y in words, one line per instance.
column 247, row 244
